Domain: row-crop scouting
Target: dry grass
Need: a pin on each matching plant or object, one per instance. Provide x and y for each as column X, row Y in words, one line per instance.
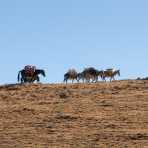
column 102, row 115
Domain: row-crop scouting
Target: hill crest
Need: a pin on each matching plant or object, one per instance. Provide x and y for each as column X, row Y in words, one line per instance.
column 74, row 115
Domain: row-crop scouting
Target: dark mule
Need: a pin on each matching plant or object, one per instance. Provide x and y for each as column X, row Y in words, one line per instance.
column 90, row 74
column 24, row 77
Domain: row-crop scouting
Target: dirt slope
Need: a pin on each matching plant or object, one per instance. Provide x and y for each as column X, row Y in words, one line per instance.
column 102, row 115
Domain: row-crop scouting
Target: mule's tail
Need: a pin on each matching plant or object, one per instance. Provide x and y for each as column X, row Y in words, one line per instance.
column 18, row 76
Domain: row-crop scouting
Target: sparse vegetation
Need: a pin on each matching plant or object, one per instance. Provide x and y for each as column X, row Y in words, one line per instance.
column 75, row 115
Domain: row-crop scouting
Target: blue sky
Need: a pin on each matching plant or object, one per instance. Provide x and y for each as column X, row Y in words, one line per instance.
column 56, row 35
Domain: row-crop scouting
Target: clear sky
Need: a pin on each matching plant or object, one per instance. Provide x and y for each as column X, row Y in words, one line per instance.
column 56, row 35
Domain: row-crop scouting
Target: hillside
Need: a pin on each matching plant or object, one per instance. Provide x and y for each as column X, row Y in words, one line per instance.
column 102, row 115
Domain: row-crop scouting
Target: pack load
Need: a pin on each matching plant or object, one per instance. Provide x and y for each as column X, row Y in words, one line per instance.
column 29, row 70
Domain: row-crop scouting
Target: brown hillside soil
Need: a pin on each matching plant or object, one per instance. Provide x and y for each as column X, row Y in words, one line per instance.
column 102, row 115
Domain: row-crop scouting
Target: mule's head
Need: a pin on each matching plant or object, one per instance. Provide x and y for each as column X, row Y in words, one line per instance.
column 40, row 71
column 43, row 73
column 118, row 72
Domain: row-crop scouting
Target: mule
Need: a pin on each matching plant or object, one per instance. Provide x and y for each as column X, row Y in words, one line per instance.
column 25, row 77
column 90, row 74
column 70, row 75
column 110, row 73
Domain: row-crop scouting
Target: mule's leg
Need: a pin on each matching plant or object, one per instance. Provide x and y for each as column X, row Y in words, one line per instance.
column 88, row 80
column 104, row 79
column 96, row 79
column 93, row 80
column 66, row 80
column 83, row 80
column 21, row 80
column 72, row 81
column 24, row 80
column 38, row 79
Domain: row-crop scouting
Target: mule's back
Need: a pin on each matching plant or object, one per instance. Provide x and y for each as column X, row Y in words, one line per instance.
column 72, row 73
column 90, row 71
